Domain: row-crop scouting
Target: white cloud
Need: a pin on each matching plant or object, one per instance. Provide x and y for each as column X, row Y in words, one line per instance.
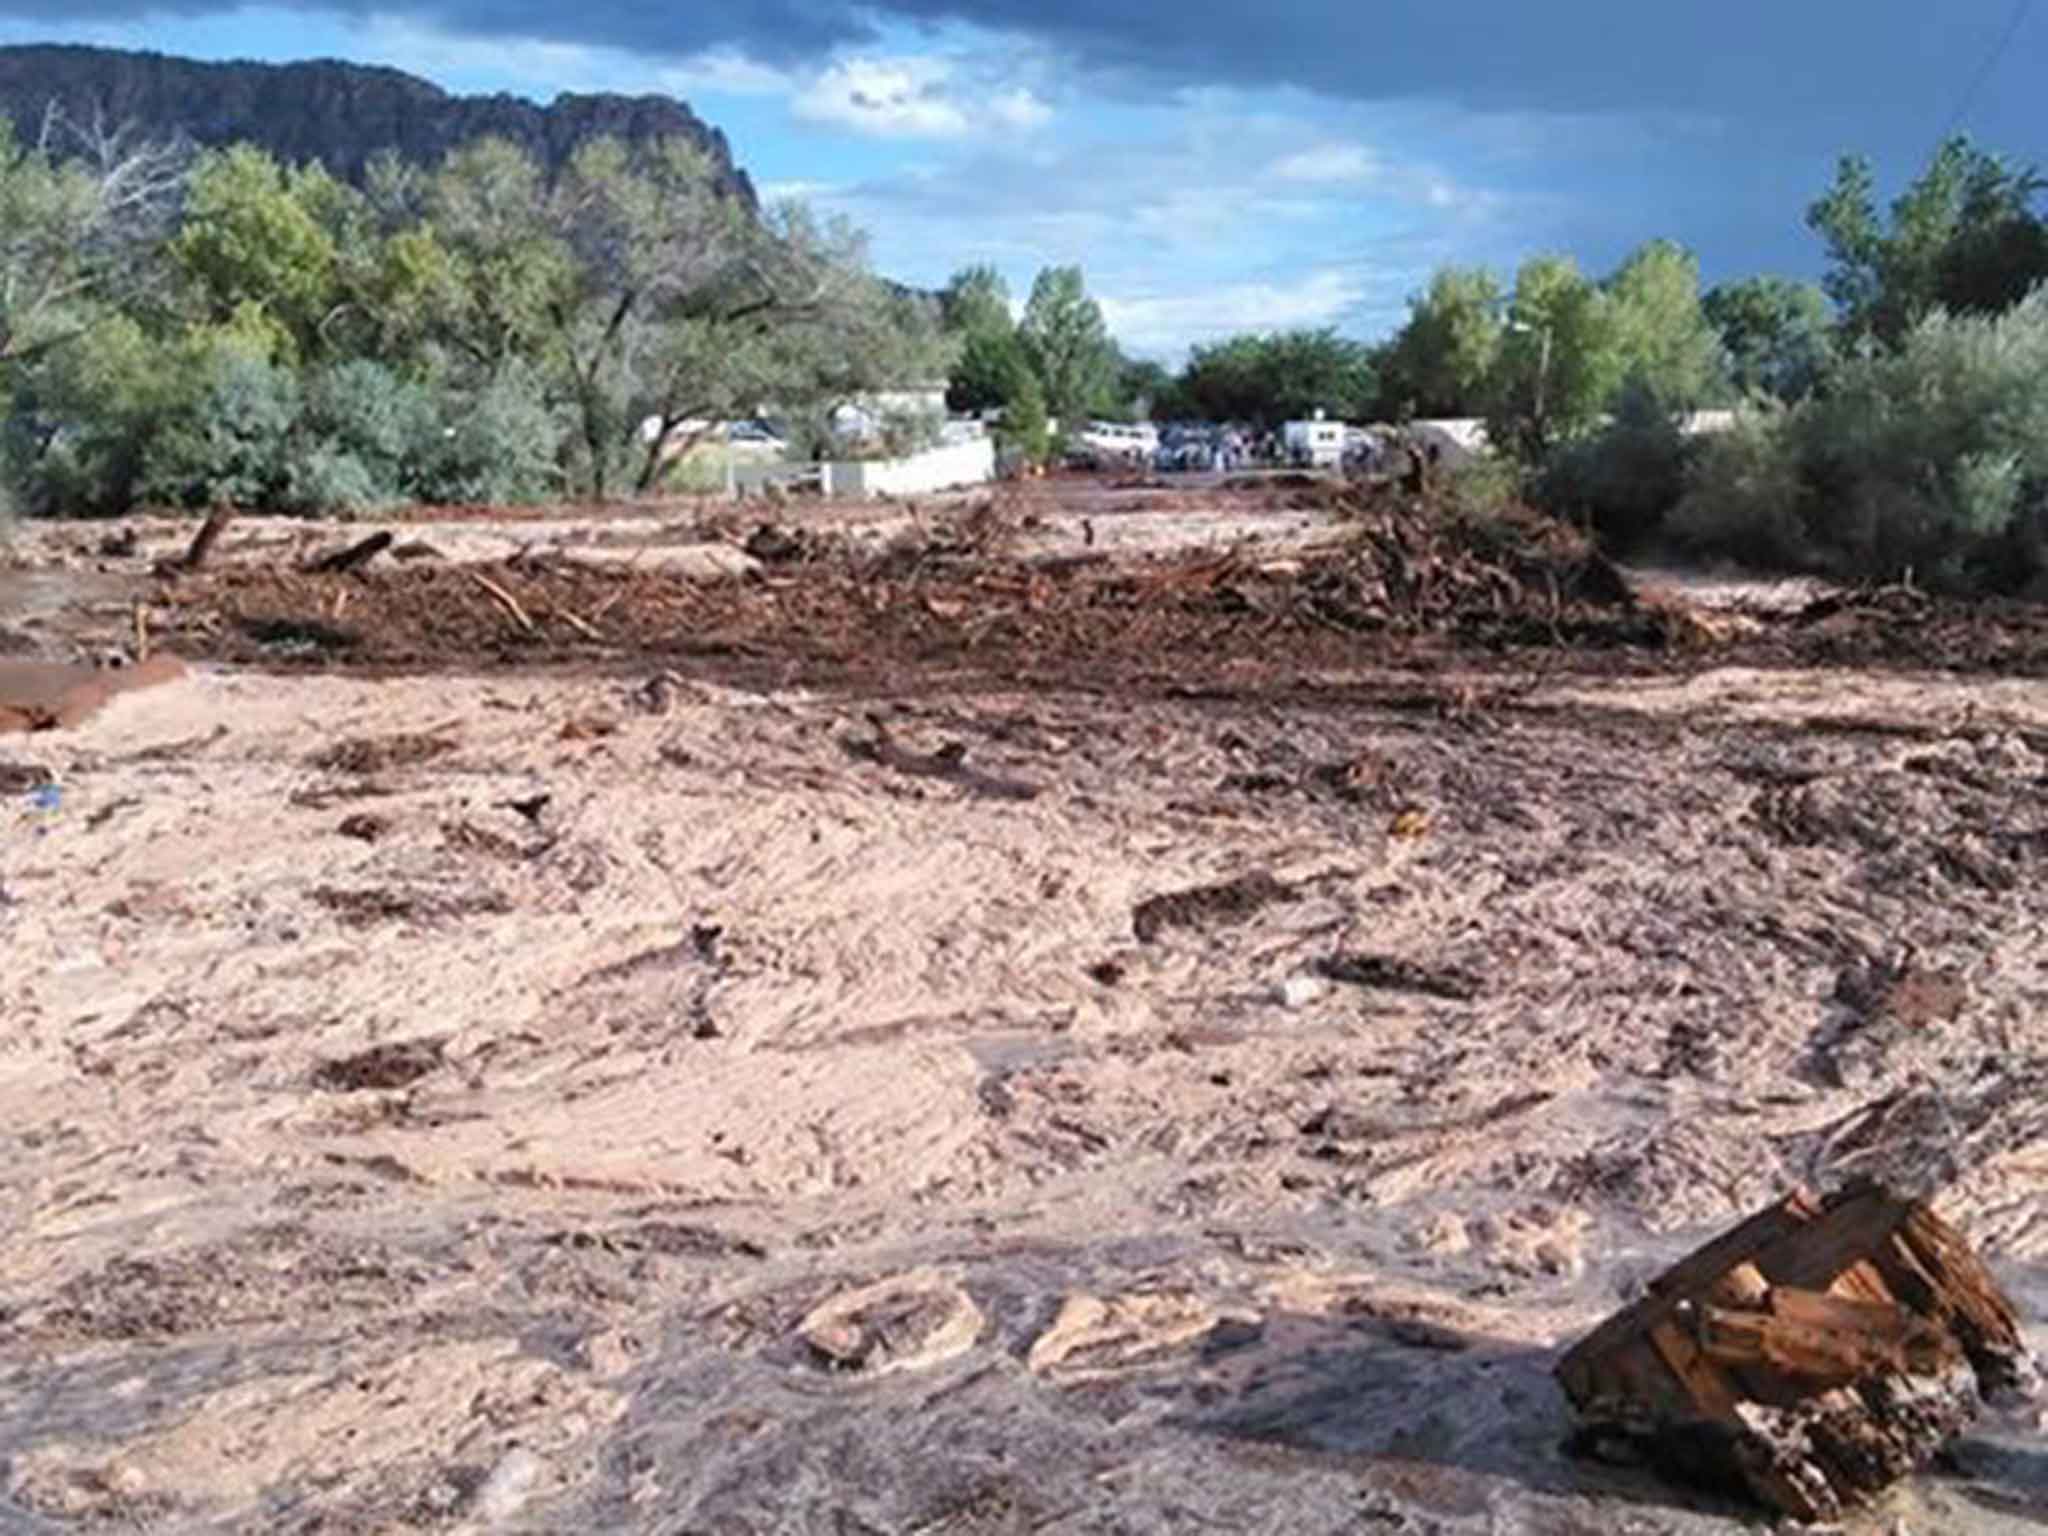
column 772, row 192
column 1333, row 162
column 891, row 98
column 1162, row 322
column 1019, row 109
column 919, row 96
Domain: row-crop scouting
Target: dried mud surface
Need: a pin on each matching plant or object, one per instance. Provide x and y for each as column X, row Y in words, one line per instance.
column 661, row 1097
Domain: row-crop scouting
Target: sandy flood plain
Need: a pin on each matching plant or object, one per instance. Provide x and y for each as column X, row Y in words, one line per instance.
column 753, row 1137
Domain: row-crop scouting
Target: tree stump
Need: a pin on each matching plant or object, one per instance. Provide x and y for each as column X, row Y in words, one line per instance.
column 1816, row 1354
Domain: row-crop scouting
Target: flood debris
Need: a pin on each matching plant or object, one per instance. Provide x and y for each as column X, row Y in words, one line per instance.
column 1228, row 901
column 201, row 547
column 1818, row 1353
column 352, row 556
column 364, row 906
column 394, row 1064
column 948, row 763
column 906, row 1322
column 20, row 778
column 374, row 754
column 364, row 826
column 1387, row 973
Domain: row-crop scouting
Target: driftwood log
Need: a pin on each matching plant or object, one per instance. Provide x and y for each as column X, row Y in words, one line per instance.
column 1816, row 1354
column 352, row 556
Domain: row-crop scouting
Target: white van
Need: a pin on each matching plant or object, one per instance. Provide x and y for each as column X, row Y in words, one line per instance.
column 1120, row 442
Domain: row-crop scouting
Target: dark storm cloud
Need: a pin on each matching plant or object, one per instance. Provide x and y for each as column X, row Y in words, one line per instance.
column 1791, row 60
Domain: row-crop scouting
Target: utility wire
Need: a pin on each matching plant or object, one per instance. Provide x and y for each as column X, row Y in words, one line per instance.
column 1996, row 57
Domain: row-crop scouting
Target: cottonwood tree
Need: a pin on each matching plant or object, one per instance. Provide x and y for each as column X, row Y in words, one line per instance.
column 1284, row 376
column 1559, row 363
column 250, row 239
column 82, row 208
column 1667, row 347
column 1963, row 237
column 1067, row 344
column 1440, row 361
column 1774, row 333
column 977, row 302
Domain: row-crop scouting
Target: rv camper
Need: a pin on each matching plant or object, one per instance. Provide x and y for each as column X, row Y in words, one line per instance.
column 1317, row 444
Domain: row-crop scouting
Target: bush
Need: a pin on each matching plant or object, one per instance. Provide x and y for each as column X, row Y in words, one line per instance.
column 1624, row 480
column 1483, row 488
column 1932, row 459
column 359, row 436
column 1742, row 499
column 80, row 416
column 1935, row 458
column 498, row 444
column 227, row 439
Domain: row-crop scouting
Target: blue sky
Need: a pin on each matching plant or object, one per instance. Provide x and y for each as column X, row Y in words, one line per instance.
column 1217, row 165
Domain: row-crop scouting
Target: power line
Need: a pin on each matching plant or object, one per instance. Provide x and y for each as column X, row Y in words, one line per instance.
column 1996, row 57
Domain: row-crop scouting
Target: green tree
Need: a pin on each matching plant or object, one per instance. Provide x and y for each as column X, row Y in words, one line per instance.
column 1560, row 360
column 1142, row 388
column 977, row 302
column 1774, row 333
column 78, row 233
column 487, row 209
column 1440, row 362
column 1067, row 344
column 1667, row 347
column 1962, row 237
column 250, row 237
column 987, row 374
column 226, row 437
column 1285, row 376
column 1025, row 431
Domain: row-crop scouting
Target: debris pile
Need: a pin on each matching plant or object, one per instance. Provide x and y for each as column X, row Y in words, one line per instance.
column 1816, row 1354
column 1391, row 570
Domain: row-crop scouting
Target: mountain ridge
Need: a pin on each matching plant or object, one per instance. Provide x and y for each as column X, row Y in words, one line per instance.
column 339, row 113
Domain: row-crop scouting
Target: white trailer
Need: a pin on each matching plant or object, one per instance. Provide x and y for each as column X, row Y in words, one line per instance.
column 1317, row 444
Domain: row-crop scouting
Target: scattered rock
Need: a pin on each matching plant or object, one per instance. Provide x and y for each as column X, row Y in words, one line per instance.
column 364, row 827
column 908, row 1322
column 1299, row 991
column 1230, row 901
column 20, row 778
column 373, row 754
column 1093, row 1338
column 393, row 1065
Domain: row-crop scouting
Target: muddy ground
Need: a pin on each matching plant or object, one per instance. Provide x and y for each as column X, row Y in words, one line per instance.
column 967, row 1037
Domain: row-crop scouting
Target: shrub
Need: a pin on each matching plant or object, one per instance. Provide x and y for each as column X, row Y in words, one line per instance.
column 80, row 416
column 1742, row 497
column 497, row 444
column 1932, row 459
column 1624, row 480
column 359, row 435
column 227, row 439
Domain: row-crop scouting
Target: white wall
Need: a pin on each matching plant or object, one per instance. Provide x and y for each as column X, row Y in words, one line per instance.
column 964, row 463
